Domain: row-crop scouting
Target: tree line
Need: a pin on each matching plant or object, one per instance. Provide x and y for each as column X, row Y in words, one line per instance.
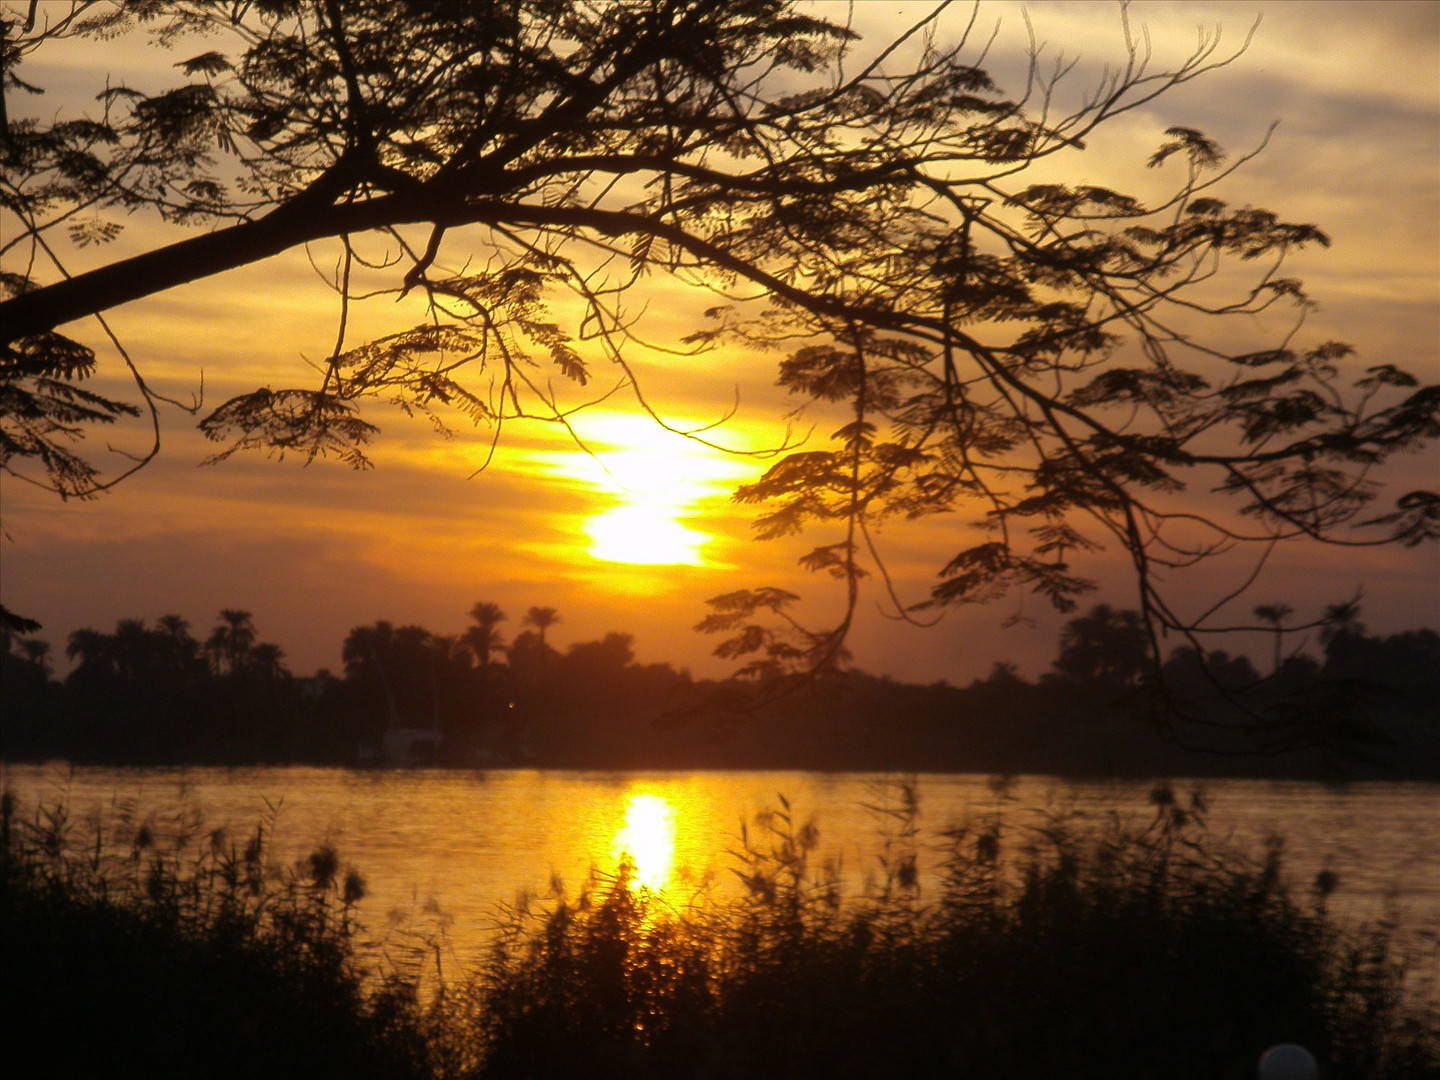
column 1367, row 704
column 159, row 693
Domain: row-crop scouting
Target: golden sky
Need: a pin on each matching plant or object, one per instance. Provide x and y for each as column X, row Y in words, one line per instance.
column 635, row 535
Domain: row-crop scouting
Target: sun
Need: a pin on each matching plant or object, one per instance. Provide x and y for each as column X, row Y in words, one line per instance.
column 644, row 535
column 656, row 482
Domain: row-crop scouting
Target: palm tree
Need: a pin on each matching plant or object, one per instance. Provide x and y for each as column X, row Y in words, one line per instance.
column 232, row 639
column 1341, row 621
column 37, row 652
column 93, row 648
column 178, row 646
column 174, row 625
column 133, row 648
column 214, row 648
column 366, row 649
column 483, row 638
column 266, row 662
column 444, row 653
column 1275, row 615
column 542, row 618
column 1107, row 645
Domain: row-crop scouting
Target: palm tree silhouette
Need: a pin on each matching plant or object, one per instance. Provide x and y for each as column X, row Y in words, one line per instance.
column 542, row 618
column 1275, row 615
column 367, row 648
column 1341, row 621
column 1106, row 645
column 37, row 652
column 133, row 647
column 267, row 662
column 232, row 639
column 176, row 644
column 483, row 638
column 174, row 625
column 91, row 647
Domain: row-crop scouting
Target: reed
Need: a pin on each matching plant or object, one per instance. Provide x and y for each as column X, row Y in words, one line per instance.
column 1075, row 949
column 158, row 949
column 1072, row 948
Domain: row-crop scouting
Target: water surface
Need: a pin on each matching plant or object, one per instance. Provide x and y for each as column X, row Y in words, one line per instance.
column 456, row 845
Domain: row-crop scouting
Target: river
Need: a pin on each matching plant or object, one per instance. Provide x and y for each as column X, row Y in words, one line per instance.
column 450, row 847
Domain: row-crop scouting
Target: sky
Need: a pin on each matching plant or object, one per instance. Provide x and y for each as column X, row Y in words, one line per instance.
column 635, row 534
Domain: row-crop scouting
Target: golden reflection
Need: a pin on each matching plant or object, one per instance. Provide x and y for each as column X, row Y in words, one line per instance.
column 647, row 839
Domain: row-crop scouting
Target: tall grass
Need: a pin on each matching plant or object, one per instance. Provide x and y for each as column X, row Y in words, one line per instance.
column 1060, row 951
column 157, row 949
column 1068, row 949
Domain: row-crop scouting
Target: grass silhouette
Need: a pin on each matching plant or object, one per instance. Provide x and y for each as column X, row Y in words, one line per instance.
column 1072, row 948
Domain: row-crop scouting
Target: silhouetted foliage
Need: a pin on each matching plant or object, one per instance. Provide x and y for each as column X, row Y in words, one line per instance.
column 229, row 643
column 1072, row 948
column 146, row 694
column 154, row 951
column 1061, row 363
column 1079, row 950
column 483, row 638
column 530, row 658
column 1105, row 648
column 542, row 618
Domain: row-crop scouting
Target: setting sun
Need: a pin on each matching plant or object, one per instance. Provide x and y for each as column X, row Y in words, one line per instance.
column 648, row 839
column 644, row 534
column 654, row 483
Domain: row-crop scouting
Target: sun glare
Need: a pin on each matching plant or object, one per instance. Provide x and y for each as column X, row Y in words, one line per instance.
column 656, row 481
column 644, row 534
column 648, row 839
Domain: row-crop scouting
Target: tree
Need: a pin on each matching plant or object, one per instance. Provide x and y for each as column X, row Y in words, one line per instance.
column 367, row 653
column 1055, row 361
column 93, row 649
column 593, row 669
column 1105, row 647
column 37, row 652
column 12, row 624
column 231, row 641
column 180, row 650
column 1275, row 615
column 133, row 649
column 408, row 667
column 483, row 638
column 1341, row 622
column 542, row 618
column 267, row 663
column 529, row 660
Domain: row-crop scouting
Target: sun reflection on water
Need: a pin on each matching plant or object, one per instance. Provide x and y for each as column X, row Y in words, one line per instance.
column 648, row 839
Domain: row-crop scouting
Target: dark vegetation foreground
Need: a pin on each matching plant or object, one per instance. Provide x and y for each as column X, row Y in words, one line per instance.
column 1057, row 952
